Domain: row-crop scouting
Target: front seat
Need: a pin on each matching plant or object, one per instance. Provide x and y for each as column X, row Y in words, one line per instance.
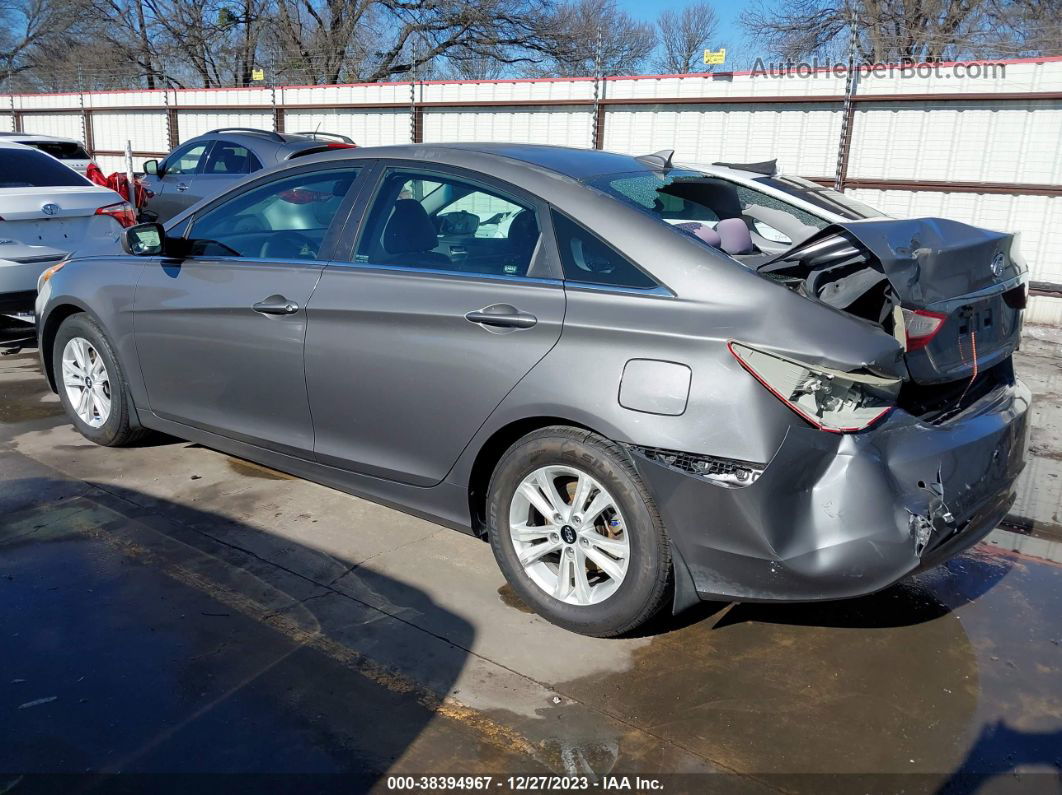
column 523, row 235
column 409, row 237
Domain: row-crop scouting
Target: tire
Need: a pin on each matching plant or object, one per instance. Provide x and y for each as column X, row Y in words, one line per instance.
column 621, row 597
column 119, row 428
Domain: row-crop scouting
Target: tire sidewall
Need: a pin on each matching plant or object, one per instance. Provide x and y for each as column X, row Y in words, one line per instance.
column 647, row 542
column 118, row 421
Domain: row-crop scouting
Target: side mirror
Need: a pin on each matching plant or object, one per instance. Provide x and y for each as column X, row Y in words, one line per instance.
column 151, row 167
column 144, row 240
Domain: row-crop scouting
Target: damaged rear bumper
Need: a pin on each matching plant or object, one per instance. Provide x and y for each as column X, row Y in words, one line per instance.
column 837, row 516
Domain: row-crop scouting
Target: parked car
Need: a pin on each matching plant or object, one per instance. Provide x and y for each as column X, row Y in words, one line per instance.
column 210, row 163
column 47, row 211
column 631, row 400
column 67, row 150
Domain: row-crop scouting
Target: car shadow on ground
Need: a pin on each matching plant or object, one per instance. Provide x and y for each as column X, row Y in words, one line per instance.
column 137, row 643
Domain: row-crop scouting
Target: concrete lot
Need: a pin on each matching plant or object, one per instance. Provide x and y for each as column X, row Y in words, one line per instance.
column 171, row 609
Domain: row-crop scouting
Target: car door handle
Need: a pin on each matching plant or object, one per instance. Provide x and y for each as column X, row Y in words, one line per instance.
column 502, row 316
column 181, row 186
column 276, row 305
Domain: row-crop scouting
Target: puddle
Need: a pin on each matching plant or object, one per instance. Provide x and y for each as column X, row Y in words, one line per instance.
column 510, row 599
column 250, row 470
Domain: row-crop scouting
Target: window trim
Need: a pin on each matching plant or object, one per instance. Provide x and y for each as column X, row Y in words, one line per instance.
column 545, row 248
column 335, row 228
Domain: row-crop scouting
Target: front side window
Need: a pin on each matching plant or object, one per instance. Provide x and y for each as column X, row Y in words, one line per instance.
column 230, row 158
column 28, row 168
column 284, row 219
column 587, row 259
column 437, row 222
column 184, row 161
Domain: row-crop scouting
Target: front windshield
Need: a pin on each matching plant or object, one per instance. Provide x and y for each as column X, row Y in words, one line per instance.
column 705, row 206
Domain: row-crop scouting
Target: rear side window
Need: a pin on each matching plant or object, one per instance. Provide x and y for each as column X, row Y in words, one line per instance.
column 588, row 259
column 60, row 149
column 28, row 168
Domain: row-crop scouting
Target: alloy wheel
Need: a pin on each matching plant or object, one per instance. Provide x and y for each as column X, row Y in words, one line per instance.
column 87, row 383
column 569, row 535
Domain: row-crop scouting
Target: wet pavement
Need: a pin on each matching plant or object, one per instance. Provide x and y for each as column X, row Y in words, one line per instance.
column 170, row 609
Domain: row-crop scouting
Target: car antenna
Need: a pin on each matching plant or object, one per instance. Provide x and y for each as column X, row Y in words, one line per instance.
column 661, row 159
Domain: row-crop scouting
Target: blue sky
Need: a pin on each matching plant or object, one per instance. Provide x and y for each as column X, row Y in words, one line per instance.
column 730, row 34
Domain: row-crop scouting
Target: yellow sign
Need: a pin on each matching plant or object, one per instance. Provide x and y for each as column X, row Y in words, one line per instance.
column 716, row 58
column 259, row 74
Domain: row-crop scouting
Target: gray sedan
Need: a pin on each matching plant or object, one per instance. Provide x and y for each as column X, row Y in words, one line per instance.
column 584, row 357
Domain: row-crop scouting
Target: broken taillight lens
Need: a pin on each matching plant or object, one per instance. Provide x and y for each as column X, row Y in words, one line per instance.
column 921, row 326
column 831, row 400
column 122, row 212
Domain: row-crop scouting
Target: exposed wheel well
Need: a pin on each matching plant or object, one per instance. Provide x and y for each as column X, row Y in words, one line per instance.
column 51, row 328
column 490, row 454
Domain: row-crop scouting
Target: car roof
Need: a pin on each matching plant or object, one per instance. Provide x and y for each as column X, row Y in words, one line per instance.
column 25, row 136
column 563, row 161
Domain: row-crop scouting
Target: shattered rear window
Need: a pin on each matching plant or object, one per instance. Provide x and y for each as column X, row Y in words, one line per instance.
column 692, row 197
column 826, row 198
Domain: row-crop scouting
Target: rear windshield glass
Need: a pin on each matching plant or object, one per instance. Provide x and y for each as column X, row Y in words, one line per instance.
column 59, row 149
column 25, row 168
column 690, row 200
column 826, row 198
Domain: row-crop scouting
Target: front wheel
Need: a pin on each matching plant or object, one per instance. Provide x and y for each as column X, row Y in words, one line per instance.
column 577, row 534
column 91, row 384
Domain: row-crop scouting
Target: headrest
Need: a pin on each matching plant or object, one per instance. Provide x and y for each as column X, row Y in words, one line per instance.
column 523, row 230
column 701, row 231
column 734, row 236
column 409, row 229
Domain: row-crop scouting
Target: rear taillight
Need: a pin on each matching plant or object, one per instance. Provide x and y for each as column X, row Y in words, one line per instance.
column 830, row 400
column 122, row 212
column 921, row 326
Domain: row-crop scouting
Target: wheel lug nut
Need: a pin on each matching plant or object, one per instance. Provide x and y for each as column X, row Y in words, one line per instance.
column 554, row 537
column 584, row 542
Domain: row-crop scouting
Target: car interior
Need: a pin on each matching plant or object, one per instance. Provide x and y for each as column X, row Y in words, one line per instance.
column 278, row 221
column 747, row 224
column 444, row 225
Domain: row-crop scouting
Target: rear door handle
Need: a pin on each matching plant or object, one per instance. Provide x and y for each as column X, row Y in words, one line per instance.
column 276, row 305
column 181, row 186
column 502, row 316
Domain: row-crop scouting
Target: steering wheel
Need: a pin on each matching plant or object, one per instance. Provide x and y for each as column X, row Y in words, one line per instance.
column 288, row 244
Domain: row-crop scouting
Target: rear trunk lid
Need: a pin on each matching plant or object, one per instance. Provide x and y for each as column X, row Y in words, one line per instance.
column 55, row 220
column 971, row 280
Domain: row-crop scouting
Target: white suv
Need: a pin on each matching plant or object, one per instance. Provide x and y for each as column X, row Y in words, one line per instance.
column 68, row 151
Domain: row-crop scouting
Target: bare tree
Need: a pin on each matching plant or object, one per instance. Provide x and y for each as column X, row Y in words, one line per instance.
column 581, row 32
column 684, row 36
column 901, row 30
column 31, row 31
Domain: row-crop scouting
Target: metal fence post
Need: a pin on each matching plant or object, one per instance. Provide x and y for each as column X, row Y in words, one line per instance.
column 848, row 113
column 597, row 133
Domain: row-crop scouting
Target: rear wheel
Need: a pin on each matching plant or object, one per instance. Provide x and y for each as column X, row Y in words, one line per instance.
column 91, row 384
column 577, row 534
